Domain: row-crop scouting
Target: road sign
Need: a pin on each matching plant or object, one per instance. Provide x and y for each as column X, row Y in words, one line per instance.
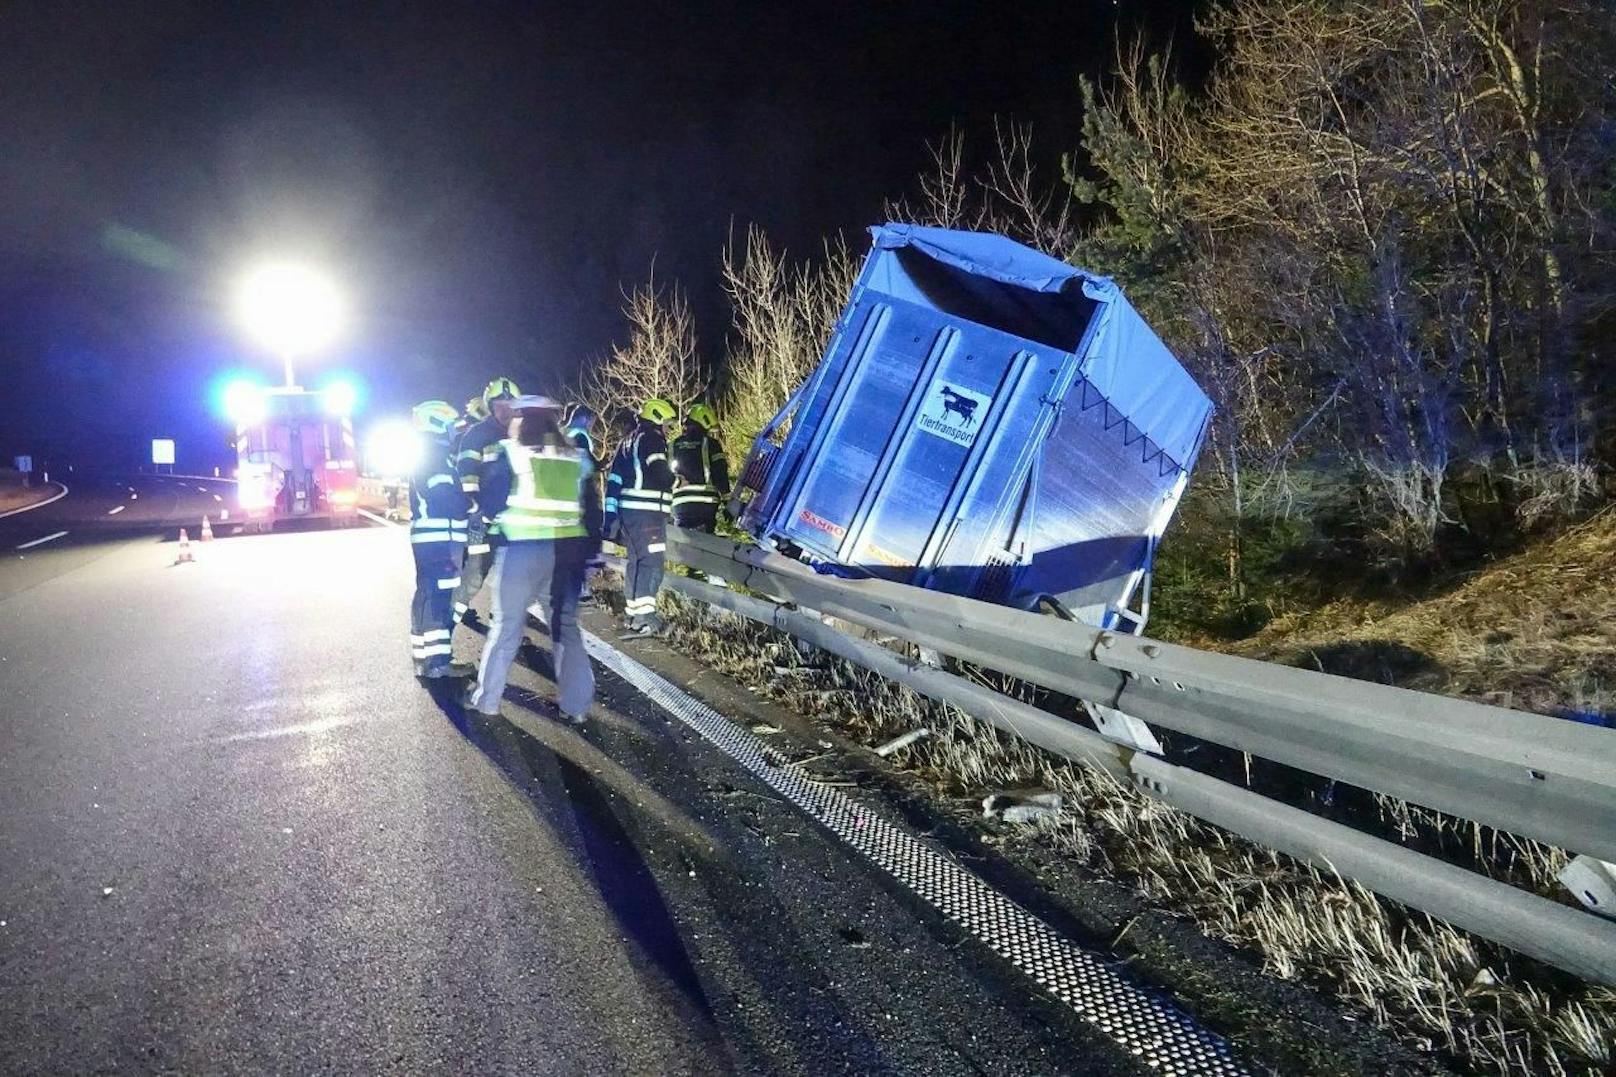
column 162, row 451
column 25, row 464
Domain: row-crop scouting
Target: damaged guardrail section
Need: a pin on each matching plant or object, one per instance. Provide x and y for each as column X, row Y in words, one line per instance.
column 1530, row 775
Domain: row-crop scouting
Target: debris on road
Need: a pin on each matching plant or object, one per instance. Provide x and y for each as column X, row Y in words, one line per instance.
column 1021, row 807
column 900, row 742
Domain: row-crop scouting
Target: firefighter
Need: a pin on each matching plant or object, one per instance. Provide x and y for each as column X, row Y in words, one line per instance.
column 700, row 471
column 437, row 539
column 580, row 421
column 478, row 449
column 539, row 489
column 638, row 496
column 476, row 412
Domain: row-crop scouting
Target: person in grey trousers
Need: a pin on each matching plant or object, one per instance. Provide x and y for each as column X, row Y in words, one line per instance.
column 540, row 491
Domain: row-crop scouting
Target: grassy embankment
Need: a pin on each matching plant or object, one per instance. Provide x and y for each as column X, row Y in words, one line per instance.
column 1531, row 630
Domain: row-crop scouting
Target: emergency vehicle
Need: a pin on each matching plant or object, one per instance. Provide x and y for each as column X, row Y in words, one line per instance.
column 295, row 456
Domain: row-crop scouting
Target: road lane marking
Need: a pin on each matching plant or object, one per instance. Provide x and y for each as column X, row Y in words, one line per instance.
column 319, row 725
column 201, row 489
column 1138, row 1018
column 114, row 512
column 216, row 497
column 38, row 504
column 41, row 541
column 133, row 496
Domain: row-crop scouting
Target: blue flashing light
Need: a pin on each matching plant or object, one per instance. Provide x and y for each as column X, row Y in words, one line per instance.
column 340, row 397
column 244, row 402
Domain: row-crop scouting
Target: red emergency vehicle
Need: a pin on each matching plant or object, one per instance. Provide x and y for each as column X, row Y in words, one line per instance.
column 295, row 457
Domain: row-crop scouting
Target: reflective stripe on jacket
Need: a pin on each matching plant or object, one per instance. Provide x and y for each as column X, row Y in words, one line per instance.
column 701, row 471
column 476, row 453
column 438, row 506
column 640, row 479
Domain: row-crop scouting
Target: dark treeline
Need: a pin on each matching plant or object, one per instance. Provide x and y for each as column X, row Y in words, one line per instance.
column 1378, row 231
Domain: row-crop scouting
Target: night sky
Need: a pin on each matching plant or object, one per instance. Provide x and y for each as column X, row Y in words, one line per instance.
column 483, row 179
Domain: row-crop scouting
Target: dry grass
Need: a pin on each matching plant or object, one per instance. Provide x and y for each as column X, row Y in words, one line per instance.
column 1434, row 986
column 1536, row 631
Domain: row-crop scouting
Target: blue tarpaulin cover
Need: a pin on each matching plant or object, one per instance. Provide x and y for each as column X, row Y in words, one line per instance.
column 1123, row 359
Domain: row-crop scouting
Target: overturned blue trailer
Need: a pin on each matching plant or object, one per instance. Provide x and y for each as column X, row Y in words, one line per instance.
column 986, row 421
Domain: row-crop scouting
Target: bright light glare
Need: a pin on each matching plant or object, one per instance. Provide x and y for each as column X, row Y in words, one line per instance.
column 244, row 403
column 340, row 397
column 252, row 488
column 393, row 449
column 290, row 309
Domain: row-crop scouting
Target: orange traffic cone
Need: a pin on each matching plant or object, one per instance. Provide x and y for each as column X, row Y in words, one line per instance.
column 184, row 557
column 207, row 530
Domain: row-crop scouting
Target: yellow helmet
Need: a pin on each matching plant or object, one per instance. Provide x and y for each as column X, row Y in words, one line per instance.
column 500, row 389
column 434, row 416
column 702, row 415
column 476, row 410
column 658, row 410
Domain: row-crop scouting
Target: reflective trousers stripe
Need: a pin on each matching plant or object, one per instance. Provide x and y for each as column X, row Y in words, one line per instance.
column 656, row 547
column 431, row 636
column 437, row 536
column 480, row 547
column 431, row 650
column 452, row 581
column 640, row 605
column 642, row 506
column 439, row 480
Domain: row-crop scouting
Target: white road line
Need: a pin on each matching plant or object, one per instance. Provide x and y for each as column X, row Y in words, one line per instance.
column 216, row 497
column 384, row 521
column 38, row 504
column 1096, row 989
column 201, row 489
column 40, row 541
column 114, row 512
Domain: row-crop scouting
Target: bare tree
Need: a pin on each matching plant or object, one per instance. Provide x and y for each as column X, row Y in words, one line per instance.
column 783, row 318
column 658, row 359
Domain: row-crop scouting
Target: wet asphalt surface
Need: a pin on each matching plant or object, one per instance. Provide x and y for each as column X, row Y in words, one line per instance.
column 238, row 835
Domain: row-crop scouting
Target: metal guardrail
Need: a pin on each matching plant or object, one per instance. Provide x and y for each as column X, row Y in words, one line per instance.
column 1526, row 774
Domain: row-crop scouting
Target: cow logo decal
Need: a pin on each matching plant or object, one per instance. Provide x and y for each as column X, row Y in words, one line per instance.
column 953, row 412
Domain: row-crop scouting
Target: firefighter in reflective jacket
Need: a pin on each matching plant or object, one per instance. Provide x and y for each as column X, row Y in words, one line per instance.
column 638, row 495
column 476, row 412
column 476, row 453
column 700, row 471
column 580, row 421
column 437, row 539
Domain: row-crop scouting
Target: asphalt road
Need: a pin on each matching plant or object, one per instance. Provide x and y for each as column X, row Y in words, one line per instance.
column 237, row 835
column 100, row 510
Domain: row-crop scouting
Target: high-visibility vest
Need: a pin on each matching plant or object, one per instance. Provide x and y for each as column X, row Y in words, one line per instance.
column 546, row 493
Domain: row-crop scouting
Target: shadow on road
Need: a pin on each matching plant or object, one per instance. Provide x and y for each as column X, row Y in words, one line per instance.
column 568, row 797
